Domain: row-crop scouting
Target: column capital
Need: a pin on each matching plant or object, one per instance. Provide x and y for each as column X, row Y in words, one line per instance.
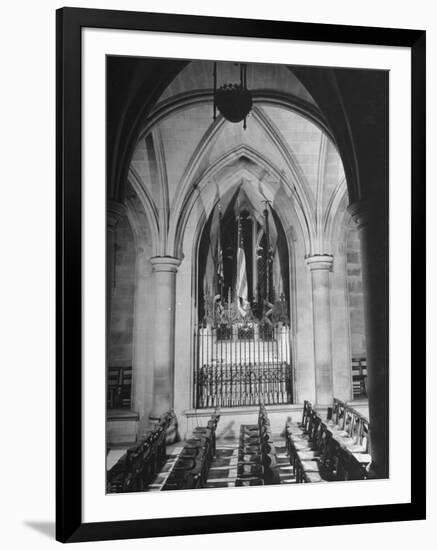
column 318, row 262
column 114, row 212
column 165, row 263
column 360, row 213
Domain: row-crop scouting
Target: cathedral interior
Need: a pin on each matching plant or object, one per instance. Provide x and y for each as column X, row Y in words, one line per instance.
column 247, row 274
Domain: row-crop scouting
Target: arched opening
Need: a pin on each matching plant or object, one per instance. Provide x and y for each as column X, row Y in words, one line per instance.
column 242, row 329
column 199, row 181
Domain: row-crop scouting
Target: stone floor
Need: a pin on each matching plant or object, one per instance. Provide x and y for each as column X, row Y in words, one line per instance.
column 173, row 452
column 223, row 470
column 285, row 469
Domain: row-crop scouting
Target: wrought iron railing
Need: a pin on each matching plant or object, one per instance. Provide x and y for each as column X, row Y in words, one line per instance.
column 243, row 364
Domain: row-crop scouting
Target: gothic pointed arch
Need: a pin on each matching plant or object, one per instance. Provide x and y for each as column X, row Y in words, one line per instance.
column 244, row 162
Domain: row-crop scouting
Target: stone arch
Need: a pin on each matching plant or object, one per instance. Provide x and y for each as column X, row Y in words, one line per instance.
column 264, row 97
column 260, row 97
column 198, row 209
column 143, row 103
column 336, row 206
column 148, row 206
column 212, row 174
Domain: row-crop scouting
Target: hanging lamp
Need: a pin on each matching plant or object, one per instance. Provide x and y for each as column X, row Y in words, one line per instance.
column 234, row 101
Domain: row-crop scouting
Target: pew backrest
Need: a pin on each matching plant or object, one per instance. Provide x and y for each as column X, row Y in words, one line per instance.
column 352, row 422
column 142, row 460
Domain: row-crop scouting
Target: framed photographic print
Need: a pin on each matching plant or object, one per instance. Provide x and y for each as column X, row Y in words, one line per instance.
column 240, row 233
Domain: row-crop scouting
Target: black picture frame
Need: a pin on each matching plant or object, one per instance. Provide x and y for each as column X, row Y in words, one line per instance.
column 69, row 524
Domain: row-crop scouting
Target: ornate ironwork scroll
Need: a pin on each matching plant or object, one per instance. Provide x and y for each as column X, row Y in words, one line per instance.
column 243, row 363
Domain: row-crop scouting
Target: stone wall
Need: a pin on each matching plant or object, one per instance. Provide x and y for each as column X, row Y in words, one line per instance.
column 341, row 345
column 122, row 310
column 355, row 292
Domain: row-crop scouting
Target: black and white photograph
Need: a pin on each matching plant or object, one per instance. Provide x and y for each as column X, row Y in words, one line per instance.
column 246, row 275
column 216, row 275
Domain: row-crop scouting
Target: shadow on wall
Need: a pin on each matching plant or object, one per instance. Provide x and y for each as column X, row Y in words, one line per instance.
column 227, row 432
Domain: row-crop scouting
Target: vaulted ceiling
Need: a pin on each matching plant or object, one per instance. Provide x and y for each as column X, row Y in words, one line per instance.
column 286, row 152
column 331, row 98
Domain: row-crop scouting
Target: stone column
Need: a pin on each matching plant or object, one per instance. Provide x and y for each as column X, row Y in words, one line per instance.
column 164, row 273
column 320, row 266
column 373, row 231
column 114, row 212
column 143, row 335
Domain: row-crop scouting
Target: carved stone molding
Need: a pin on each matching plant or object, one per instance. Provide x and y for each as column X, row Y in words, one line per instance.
column 165, row 263
column 360, row 213
column 114, row 213
column 320, row 262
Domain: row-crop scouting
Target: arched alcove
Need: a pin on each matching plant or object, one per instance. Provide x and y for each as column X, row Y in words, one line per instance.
column 242, row 335
column 310, row 151
column 243, row 219
column 187, row 166
column 241, row 173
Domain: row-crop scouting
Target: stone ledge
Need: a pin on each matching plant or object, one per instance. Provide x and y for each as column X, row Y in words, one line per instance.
column 232, row 418
column 227, row 411
column 121, row 414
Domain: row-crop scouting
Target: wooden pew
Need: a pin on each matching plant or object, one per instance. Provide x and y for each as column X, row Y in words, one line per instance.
column 331, row 450
column 308, row 449
column 209, row 430
column 315, row 454
column 192, row 466
column 298, row 436
column 249, row 468
column 257, row 462
column 189, row 472
column 269, row 459
column 351, row 430
column 141, row 462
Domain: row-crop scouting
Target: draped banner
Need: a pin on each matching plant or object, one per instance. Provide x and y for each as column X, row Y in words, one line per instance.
column 220, row 272
column 241, row 284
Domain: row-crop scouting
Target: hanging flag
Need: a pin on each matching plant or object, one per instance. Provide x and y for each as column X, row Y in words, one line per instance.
column 241, row 284
column 220, row 273
column 208, row 278
column 267, row 254
column 278, row 285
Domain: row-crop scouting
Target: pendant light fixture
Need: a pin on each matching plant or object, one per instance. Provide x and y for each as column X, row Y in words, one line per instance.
column 234, row 101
